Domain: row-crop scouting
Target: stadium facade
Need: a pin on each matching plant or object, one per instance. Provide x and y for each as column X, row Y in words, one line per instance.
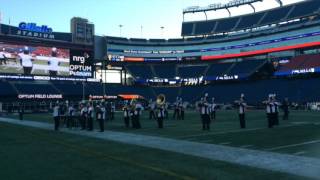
column 273, row 51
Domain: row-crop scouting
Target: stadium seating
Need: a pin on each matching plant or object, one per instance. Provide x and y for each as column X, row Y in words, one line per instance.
column 165, row 70
column 187, row 29
column 191, row 71
column 139, row 71
column 218, row 69
column 301, row 62
column 304, row 9
column 275, row 15
column 246, row 68
column 249, row 21
column 227, row 24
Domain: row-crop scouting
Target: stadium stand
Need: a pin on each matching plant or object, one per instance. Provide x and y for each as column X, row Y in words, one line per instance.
column 165, row 70
column 191, row 71
column 218, row 69
column 140, row 71
column 247, row 67
column 273, row 16
column 301, row 62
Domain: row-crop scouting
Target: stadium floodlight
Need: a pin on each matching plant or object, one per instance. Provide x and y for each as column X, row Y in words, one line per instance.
column 120, row 28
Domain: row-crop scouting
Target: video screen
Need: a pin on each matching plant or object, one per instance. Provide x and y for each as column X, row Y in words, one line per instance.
column 34, row 60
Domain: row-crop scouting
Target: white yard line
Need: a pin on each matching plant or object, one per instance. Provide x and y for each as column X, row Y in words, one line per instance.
column 246, row 146
column 191, row 137
column 225, row 143
column 299, row 153
column 293, row 145
column 296, row 165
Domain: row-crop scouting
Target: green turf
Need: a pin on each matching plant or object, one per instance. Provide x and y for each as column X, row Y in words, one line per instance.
column 303, row 126
column 28, row 153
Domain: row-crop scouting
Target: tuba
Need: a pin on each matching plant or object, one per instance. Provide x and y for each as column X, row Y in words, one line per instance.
column 161, row 100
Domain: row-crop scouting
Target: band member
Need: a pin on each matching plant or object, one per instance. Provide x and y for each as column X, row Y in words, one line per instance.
column 269, row 112
column 126, row 114
column 242, row 109
column 104, row 111
column 138, row 112
column 64, row 112
column 71, row 116
column 21, row 111
column 275, row 107
column 3, row 57
column 160, row 115
column 108, row 110
column 99, row 117
column 84, row 116
column 161, row 100
column 285, row 107
column 135, row 110
column 213, row 109
column 53, row 62
column 176, row 112
column 152, row 107
column 90, row 116
column 113, row 109
column 166, row 112
column 56, row 116
column 204, row 111
column 26, row 61
column 181, row 109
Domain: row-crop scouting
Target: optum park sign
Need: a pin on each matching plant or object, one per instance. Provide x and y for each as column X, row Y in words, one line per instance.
column 33, row 30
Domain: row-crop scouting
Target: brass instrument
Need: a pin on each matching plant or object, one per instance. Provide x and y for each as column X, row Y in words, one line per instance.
column 161, row 100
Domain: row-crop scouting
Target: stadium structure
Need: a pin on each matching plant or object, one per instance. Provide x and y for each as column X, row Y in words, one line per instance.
column 272, row 51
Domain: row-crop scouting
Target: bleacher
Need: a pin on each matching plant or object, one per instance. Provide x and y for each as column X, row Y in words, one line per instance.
column 218, row 69
column 165, row 70
column 301, row 62
column 246, row 68
column 249, row 21
column 191, row 71
column 140, row 71
column 275, row 15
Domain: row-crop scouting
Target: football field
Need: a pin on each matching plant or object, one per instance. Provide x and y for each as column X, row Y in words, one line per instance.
column 52, row 155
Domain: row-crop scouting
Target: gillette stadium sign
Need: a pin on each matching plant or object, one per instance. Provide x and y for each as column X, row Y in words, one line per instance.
column 33, row 30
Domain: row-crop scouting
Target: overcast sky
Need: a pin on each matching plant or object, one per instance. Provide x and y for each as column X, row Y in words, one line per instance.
column 140, row 18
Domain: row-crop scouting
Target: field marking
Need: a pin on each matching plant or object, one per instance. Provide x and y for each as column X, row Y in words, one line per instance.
column 192, row 137
column 225, row 143
column 296, row 165
column 293, row 145
column 299, row 153
column 246, row 146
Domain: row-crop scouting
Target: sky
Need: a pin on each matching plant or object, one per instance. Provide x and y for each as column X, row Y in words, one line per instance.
column 139, row 18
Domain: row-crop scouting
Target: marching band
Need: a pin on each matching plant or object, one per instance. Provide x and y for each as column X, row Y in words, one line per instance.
column 103, row 111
